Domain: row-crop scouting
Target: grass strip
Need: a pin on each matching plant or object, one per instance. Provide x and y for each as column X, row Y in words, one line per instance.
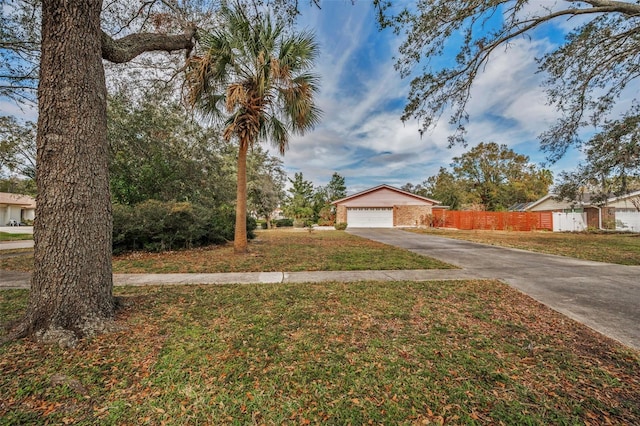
column 618, row 248
column 6, row 236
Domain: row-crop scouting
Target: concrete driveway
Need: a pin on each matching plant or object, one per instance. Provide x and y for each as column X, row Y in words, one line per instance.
column 604, row 296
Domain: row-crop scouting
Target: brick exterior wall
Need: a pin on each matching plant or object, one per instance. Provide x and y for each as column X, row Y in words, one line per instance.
column 410, row 215
column 608, row 217
column 341, row 214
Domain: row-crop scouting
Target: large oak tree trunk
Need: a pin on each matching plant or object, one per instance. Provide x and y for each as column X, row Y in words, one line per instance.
column 240, row 236
column 72, row 283
column 71, row 288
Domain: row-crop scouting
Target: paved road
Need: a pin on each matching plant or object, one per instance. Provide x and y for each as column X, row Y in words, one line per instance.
column 603, row 296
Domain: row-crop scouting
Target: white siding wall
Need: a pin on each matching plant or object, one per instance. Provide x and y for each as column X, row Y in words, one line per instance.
column 569, row 222
column 628, row 220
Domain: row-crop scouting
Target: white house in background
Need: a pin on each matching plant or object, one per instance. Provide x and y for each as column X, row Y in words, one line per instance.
column 16, row 208
column 621, row 213
column 627, row 211
column 384, row 207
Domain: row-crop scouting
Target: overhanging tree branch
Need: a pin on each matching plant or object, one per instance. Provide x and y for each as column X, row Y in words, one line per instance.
column 127, row 48
column 586, row 74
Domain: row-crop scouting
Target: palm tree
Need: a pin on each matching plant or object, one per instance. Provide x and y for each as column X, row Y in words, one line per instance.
column 254, row 77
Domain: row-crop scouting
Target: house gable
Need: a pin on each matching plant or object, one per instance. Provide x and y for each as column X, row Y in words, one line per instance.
column 629, row 201
column 384, row 196
column 550, row 203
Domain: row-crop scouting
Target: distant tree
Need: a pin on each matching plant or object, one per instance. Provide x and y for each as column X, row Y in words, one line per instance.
column 16, row 185
column 444, row 187
column 254, row 77
column 611, row 165
column 299, row 201
column 408, row 187
column 323, row 211
column 266, row 181
column 499, row 177
column 336, row 188
column 18, row 146
column 418, row 189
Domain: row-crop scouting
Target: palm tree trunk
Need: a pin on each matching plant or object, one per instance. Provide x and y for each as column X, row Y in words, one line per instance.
column 240, row 238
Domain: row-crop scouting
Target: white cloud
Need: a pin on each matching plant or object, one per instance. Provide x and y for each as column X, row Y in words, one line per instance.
column 363, row 139
column 23, row 111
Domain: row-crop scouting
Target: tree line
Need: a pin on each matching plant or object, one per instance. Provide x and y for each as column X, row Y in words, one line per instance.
column 488, row 177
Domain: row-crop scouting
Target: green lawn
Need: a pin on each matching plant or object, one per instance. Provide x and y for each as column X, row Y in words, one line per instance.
column 620, row 248
column 474, row 352
column 6, row 236
column 460, row 352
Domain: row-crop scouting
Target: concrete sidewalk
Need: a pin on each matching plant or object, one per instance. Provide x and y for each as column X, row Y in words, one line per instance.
column 20, row 280
column 11, row 245
column 18, row 244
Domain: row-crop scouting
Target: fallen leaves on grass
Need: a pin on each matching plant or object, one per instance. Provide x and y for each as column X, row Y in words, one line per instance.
column 359, row 353
column 281, row 250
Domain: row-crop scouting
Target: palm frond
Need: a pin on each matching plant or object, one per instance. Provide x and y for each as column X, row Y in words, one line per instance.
column 277, row 132
column 258, row 75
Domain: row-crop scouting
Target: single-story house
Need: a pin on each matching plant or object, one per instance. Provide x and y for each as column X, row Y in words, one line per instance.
column 594, row 216
column 384, row 207
column 16, row 208
column 620, row 213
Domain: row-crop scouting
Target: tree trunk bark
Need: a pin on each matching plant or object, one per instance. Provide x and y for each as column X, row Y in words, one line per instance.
column 240, row 236
column 71, row 289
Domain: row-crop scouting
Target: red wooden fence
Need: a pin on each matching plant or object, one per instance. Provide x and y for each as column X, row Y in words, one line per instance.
column 512, row 221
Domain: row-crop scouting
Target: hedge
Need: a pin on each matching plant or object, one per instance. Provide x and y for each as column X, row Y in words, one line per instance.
column 159, row 226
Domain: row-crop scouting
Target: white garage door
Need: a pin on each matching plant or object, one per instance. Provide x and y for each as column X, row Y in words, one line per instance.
column 628, row 220
column 370, row 217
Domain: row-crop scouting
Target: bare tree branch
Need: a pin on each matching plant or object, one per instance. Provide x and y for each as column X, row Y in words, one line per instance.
column 125, row 49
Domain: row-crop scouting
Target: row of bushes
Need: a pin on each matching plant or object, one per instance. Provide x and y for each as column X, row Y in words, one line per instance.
column 157, row 226
column 278, row 223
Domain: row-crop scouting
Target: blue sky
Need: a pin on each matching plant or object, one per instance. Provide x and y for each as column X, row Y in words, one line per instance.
column 361, row 136
column 362, row 96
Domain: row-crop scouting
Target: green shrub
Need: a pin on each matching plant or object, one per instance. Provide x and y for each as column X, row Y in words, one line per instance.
column 302, row 223
column 340, row 226
column 158, row 226
column 281, row 223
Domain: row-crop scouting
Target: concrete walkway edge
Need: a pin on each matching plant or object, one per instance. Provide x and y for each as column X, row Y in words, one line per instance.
column 21, row 280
